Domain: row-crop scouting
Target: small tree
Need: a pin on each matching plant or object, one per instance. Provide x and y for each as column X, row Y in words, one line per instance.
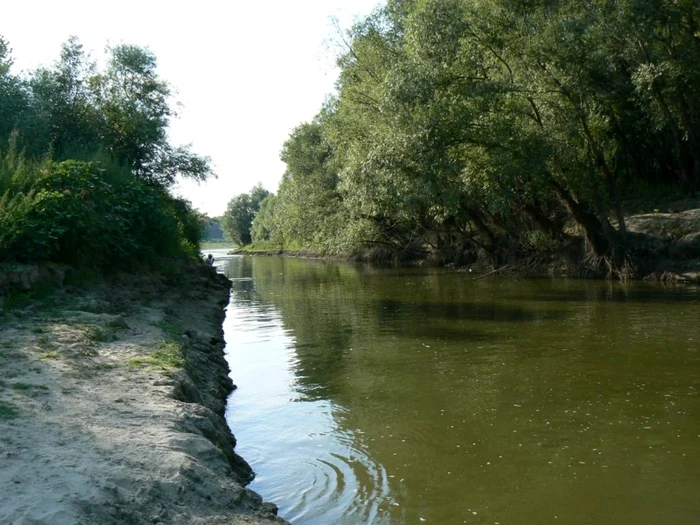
column 241, row 211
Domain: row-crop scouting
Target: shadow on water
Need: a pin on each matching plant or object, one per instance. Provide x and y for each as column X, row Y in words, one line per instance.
column 384, row 396
column 634, row 292
column 392, row 310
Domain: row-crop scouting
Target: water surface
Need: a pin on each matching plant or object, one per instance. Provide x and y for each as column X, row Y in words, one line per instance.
column 423, row 396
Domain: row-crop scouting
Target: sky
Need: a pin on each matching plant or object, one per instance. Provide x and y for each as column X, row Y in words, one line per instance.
column 246, row 73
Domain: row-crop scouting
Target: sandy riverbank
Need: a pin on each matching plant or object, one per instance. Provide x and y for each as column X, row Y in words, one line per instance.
column 111, row 406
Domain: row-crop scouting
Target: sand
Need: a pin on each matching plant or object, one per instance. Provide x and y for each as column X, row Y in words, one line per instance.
column 93, row 433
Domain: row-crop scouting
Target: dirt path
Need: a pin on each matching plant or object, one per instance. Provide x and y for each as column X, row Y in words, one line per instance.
column 111, row 408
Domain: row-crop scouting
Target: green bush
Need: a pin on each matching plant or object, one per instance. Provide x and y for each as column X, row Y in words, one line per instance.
column 80, row 213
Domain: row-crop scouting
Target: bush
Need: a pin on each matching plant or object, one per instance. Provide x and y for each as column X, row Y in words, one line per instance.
column 78, row 213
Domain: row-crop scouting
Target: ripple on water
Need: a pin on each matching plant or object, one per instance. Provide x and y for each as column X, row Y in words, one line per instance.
column 341, row 484
column 519, row 412
column 316, row 472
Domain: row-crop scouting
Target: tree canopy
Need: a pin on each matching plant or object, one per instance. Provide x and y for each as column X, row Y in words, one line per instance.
column 240, row 212
column 73, row 109
column 86, row 164
column 480, row 128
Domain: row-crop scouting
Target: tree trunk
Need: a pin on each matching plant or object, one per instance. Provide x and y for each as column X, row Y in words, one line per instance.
column 694, row 145
column 608, row 175
column 475, row 216
column 668, row 116
column 592, row 227
column 541, row 220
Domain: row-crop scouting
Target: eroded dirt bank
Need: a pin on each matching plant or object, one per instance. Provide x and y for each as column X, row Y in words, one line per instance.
column 111, row 406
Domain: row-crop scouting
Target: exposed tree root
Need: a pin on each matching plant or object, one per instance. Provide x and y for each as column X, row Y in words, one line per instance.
column 526, row 267
column 611, row 267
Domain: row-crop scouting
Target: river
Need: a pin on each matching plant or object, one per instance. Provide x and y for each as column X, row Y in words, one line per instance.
column 401, row 396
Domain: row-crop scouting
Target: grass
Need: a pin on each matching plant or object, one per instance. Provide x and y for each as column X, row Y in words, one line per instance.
column 169, row 329
column 29, row 390
column 166, row 356
column 97, row 334
column 269, row 247
column 39, row 295
column 16, row 299
column 217, row 245
column 261, row 247
column 8, row 411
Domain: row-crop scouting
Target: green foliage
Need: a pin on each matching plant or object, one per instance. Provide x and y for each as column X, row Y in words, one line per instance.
column 466, row 127
column 8, row 411
column 75, row 110
column 240, row 212
column 80, row 214
column 85, row 163
column 263, row 223
column 167, row 356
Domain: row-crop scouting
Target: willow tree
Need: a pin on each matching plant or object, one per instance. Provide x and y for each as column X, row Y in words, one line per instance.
column 470, row 124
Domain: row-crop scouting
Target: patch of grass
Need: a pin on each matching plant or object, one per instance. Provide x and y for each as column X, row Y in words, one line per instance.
column 87, row 351
column 40, row 296
column 214, row 245
column 29, row 390
column 97, row 334
column 8, row 411
column 49, row 355
column 261, row 247
column 17, row 299
column 42, row 341
column 170, row 329
column 166, row 356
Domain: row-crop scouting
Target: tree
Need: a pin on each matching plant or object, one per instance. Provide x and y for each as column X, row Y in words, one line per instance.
column 14, row 99
column 135, row 104
column 63, row 110
column 465, row 127
column 240, row 213
column 265, row 227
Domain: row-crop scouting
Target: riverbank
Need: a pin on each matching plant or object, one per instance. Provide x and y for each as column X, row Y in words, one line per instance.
column 112, row 397
column 663, row 245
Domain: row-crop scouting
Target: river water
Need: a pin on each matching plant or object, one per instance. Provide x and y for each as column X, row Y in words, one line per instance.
column 385, row 396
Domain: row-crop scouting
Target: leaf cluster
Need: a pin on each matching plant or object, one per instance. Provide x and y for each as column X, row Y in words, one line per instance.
column 472, row 128
column 75, row 110
column 85, row 163
column 80, row 214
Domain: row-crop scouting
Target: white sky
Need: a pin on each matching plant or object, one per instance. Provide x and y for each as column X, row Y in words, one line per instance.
column 247, row 73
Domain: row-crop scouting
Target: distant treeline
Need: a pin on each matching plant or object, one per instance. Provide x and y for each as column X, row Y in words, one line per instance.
column 492, row 129
column 85, row 162
column 213, row 231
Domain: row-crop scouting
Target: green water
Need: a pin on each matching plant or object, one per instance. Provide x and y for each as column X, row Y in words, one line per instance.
column 423, row 396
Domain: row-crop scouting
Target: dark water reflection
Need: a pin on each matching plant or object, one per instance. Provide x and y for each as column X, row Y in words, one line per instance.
column 416, row 396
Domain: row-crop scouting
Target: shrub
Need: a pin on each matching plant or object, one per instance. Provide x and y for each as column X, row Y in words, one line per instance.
column 79, row 213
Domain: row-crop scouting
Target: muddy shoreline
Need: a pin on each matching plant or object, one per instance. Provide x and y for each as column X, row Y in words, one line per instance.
column 112, row 399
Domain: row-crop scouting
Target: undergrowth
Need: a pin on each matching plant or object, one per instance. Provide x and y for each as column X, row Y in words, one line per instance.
column 166, row 356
